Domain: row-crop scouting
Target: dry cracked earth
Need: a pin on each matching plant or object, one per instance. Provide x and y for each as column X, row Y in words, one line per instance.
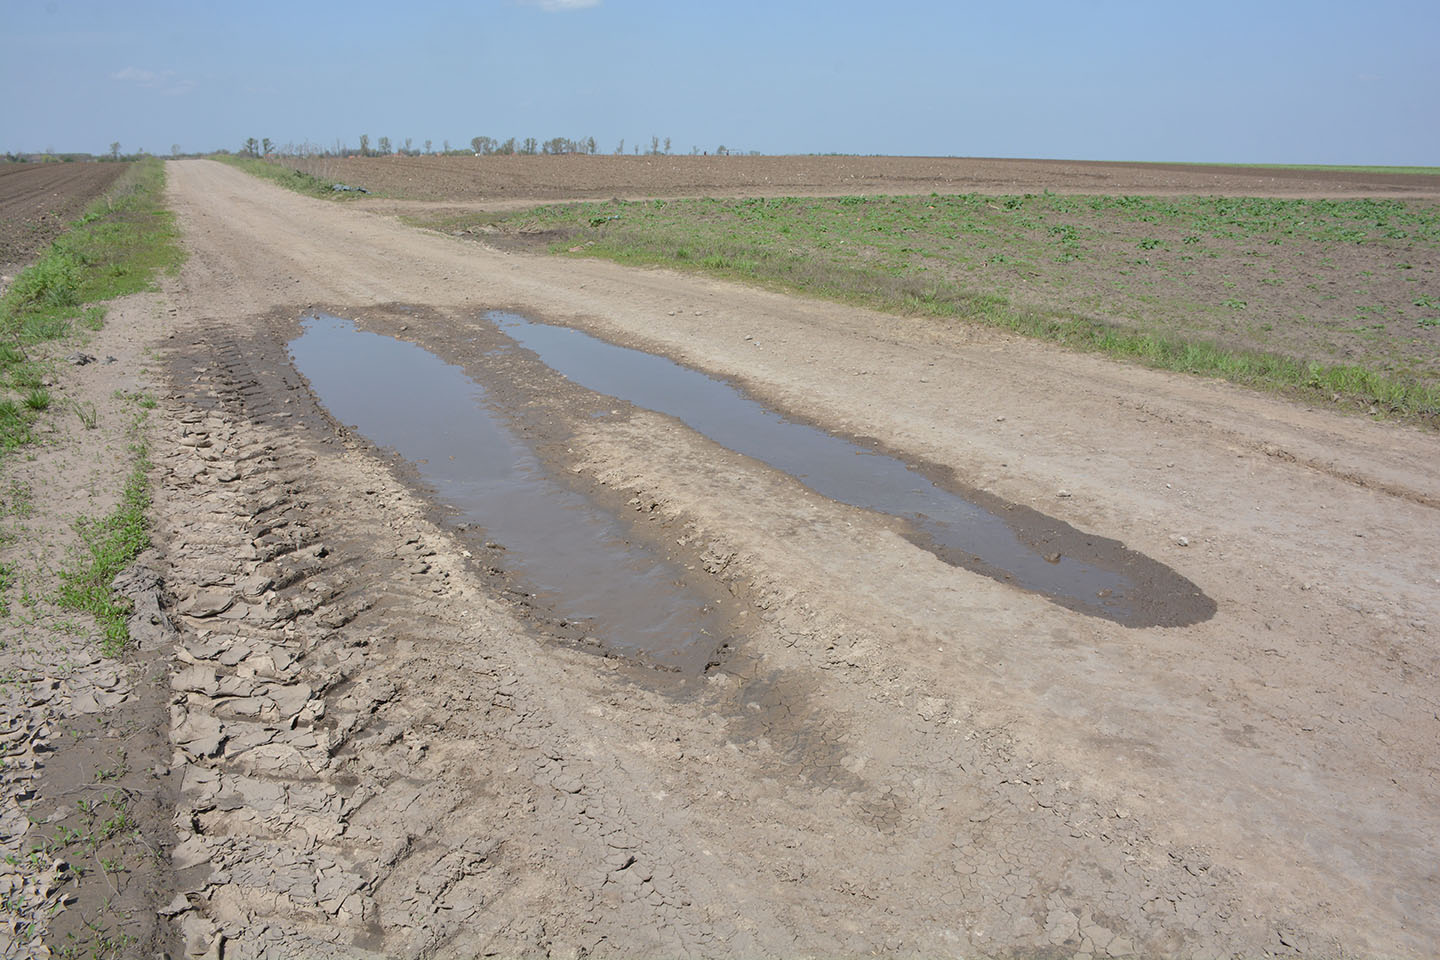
column 360, row 730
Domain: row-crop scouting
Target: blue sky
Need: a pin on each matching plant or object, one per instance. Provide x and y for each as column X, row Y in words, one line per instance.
column 1257, row 81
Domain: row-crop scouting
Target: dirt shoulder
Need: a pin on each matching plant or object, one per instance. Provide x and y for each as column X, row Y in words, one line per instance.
column 379, row 751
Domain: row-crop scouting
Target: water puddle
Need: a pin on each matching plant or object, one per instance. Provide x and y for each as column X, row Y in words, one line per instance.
column 576, row 557
column 970, row 529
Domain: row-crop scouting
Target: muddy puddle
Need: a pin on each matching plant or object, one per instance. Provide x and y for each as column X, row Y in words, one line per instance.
column 964, row 527
column 578, row 559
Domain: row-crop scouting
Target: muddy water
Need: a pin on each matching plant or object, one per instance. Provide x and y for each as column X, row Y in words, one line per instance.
column 575, row 557
column 965, row 528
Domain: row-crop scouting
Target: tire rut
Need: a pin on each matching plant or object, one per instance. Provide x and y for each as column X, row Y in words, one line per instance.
column 319, row 812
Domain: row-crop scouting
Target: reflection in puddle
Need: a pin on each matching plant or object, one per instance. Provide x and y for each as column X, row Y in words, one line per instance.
column 1082, row 572
column 575, row 556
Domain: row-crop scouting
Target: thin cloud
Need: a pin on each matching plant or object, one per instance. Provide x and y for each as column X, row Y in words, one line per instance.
column 560, row 6
column 164, row 82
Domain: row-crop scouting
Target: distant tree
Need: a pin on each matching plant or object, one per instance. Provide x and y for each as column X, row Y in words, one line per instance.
column 530, row 146
column 384, row 146
column 590, row 145
column 251, row 147
column 427, row 147
column 445, row 146
column 637, row 149
column 621, row 148
column 720, row 151
column 266, row 146
column 174, row 149
column 654, row 146
column 484, row 146
column 667, row 144
column 364, row 144
column 507, row 148
column 115, row 150
column 408, row 148
column 694, row 151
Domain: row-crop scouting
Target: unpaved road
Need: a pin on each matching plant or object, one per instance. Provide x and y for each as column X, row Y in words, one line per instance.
column 378, row 749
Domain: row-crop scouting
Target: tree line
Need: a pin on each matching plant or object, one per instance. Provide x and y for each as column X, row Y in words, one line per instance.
column 481, row 146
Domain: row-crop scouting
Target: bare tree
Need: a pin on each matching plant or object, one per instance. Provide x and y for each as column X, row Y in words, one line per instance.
column 427, row 146
column 364, row 144
column 620, row 150
column 174, row 149
column 408, row 149
column 667, row 144
column 654, row 146
column 115, row 150
column 445, row 146
column 384, row 146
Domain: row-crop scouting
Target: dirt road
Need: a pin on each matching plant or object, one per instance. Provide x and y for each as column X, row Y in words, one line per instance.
column 382, row 747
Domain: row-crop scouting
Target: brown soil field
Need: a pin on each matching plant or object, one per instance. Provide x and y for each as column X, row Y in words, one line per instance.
column 387, row 735
column 38, row 201
column 495, row 179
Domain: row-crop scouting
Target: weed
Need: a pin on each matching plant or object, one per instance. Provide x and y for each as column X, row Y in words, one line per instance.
column 38, row 398
column 109, row 544
column 88, row 414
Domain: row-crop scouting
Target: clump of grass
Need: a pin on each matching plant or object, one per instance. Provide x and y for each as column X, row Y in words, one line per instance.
column 14, row 425
column 108, row 546
column 38, row 398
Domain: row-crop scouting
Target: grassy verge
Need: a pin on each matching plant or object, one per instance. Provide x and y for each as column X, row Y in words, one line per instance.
column 1331, row 301
column 108, row 545
column 287, row 177
column 116, row 247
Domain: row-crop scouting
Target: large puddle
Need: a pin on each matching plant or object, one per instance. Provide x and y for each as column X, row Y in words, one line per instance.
column 974, row 530
column 576, row 557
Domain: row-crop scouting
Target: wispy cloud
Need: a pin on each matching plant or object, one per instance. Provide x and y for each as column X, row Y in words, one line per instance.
column 163, row 82
column 559, row 6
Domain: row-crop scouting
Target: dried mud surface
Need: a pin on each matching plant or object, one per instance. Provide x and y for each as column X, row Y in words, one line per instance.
column 379, row 750
column 38, row 201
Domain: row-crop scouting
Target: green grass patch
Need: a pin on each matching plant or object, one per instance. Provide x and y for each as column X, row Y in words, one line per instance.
column 287, row 177
column 1260, row 291
column 108, row 546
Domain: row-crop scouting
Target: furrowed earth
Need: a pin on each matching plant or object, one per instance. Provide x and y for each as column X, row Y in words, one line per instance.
column 362, row 717
column 37, row 200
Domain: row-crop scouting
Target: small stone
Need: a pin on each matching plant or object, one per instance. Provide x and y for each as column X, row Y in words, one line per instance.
column 1052, row 557
column 1182, row 541
column 1062, row 493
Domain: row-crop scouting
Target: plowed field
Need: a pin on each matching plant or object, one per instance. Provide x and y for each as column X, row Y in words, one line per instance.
column 37, row 200
column 509, row 178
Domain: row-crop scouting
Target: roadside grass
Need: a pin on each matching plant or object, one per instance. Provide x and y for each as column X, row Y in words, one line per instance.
column 116, row 247
column 287, row 177
column 107, row 546
column 1330, row 301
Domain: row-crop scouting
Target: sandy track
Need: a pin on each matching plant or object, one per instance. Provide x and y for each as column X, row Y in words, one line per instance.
column 900, row 755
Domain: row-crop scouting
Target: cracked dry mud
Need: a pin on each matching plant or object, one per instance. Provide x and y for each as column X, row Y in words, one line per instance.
column 381, row 746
